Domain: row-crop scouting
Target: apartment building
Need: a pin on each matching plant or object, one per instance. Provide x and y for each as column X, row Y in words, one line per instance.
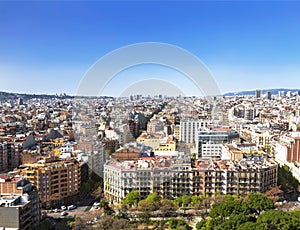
column 209, row 142
column 155, row 126
column 287, row 152
column 147, row 174
column 176, row 131
column 288, row 148
column 3, row 157
column 245, row 111
column 10, row 155
column 189, row 129
column 157, row 142
column 19, row 204
column 246, row 176
column 150, row 139
column 237, row 151
column 58, row 181
column 119, row 179
column 173, row 176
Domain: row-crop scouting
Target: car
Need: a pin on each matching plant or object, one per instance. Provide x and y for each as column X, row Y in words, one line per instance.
column 71, row 207
column 97, row 218
column 63, row 208
column 90, row 222
column 63, row 213
column 96, row 204
column 55, row 210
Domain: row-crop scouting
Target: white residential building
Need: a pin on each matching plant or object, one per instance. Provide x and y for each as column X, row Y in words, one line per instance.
column 189, row 129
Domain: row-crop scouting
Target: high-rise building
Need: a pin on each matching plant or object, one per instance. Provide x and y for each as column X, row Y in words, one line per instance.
column 281, row 93
column 20, row 101
column 269, row 95
column 258, row 93
column 3, row 157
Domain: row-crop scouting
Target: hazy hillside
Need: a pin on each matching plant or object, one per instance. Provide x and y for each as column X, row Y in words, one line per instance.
column 252, row 92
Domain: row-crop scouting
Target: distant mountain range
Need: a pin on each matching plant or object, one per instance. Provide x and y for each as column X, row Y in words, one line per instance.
column 263, row 91
column 4, row 96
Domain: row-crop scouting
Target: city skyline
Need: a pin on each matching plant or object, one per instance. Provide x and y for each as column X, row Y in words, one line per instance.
column 47, row 47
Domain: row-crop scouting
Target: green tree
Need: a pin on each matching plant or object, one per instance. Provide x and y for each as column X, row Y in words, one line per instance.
column 227, row 208
column 166, row 206
column 61, row 226
column 294, row 218
column 72, row 222
column 112, row 223
column 105, row 206
column 145, row 205
column 259, row 202
column 132, row 198
column 177, row 224
column 45, row 225
column 229, row 197
column 186, row 200
column 177, row 201
column 145, row 217
column 152, row 197
column 277, row 219
column 253, row 226
column 151, row 203
column 286, row 178
column 201, row 225
column 123, row 212
column 80, row 223
column 85, row 188
column 196, row 200
column 233, row 222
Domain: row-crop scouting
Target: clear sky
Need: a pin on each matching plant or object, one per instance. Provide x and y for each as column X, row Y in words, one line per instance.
column 47, row 46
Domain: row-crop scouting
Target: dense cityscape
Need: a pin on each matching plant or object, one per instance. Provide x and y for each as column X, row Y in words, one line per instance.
column 148, row 162
column 149, row 115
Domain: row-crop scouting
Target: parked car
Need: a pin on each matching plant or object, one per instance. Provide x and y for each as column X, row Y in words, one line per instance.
column 71, row 207
column 96, row 204
column 63, row 213
column 63, row 208
column 97, row 218
column 90, row 222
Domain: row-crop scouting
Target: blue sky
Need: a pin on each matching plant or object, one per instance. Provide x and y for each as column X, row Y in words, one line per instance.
column 47, row 47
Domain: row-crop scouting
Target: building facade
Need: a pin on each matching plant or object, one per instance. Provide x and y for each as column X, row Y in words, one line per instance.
column 288, row 148
column 189, row 129
column 173, row 176
column 58, row 181
column 209, row 142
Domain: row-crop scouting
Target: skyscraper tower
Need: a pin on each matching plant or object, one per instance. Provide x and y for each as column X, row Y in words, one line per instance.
column 258, row 93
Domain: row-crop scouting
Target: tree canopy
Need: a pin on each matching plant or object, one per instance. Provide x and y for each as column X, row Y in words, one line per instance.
column 259, row 202
column 255, row 212
column 132, row 198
